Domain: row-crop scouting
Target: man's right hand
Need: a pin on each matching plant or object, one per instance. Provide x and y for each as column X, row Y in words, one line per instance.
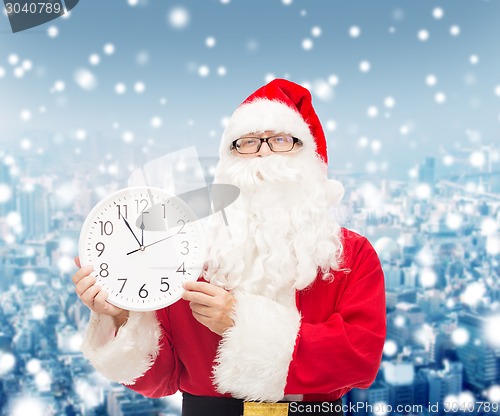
column 94, row 297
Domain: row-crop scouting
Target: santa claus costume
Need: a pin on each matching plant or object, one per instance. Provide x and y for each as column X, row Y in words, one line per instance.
column 309, row 317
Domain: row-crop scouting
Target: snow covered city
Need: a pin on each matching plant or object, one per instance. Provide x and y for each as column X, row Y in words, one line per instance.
column 109, row 93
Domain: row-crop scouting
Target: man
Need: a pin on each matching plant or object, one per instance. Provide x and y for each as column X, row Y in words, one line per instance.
column 291, row 306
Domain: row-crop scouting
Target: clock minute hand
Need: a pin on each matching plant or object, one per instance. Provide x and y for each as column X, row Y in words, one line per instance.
column 143, row 247
column 142, row 229
column 130, row 228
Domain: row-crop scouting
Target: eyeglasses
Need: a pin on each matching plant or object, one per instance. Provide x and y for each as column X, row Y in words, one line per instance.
column 278, row 144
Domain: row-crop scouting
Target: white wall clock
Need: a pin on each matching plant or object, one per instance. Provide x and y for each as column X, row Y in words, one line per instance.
column 143, row 244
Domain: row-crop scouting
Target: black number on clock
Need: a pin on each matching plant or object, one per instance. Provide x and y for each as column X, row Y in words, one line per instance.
column 143, row 293
column 125, row 209
column 104, row 270
column 123, row 285
column 100, row 247
column 181, row 269
column 106, row 227
column 164, row 282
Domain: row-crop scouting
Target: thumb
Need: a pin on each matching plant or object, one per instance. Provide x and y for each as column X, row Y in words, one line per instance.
column 77, row 262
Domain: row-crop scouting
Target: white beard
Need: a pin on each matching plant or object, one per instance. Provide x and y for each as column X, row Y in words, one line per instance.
column 280, row 229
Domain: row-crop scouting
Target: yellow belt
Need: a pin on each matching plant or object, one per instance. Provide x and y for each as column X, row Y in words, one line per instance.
column 265, row 409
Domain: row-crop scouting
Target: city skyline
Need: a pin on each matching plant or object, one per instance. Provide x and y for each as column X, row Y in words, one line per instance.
column 438, row 242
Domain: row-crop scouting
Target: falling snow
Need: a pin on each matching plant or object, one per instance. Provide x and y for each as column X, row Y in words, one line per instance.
column 178, row 18
column 323, row 90
column 440, row 97
column 120, row 88
column 139, row 87
column 364, row 66
column 210, row 42
column 354, row 31
column 438, row 13
column 85, row 79
column 389, row 102
column 94, row 59
column 367, row 122
column 156, row 122
column 372, row 111
column 307, row 44
column 52, row 31
column 423, row 35
column 316, row 31
column 455, row 30
column 109, row 49
column 203, row 71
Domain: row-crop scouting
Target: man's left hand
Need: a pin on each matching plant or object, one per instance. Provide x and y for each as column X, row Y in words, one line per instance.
column 212, row 306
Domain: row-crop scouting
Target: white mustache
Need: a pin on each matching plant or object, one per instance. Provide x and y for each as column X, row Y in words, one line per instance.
column 271, row 169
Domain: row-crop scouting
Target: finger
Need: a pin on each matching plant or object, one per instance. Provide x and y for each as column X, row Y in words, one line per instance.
column 201, row 309
column 88, row 297
column 100, row 301
column 81, row 273
column 203, row 287
column 197, row 297
column 84, row 284
column 77, row 262
column 101, row 305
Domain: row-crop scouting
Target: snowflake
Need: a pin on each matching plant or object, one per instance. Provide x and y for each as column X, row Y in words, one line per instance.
column 354, row 31
column 438, row 13
column 178, row 17
column 423, row 35
column 364, row 66
column 307, row 44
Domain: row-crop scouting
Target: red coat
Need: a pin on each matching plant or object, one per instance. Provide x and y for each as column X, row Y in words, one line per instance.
column 338, row 345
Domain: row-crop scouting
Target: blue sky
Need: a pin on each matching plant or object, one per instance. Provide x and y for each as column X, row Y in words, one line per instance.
column 196, row 71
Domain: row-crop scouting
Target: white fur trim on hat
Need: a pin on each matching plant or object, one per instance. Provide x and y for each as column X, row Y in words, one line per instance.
column 254, row 355
column 128, row 355
column 262, row 114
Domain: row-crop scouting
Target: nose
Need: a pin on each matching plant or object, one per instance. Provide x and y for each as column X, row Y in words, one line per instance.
column 264, row 150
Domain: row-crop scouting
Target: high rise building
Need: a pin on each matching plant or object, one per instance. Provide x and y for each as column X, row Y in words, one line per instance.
column 7, row 183
column 443, row 383
column 431, row 303
column 35, row 208
column 405, row 387
column 400, row 294
column 392, row 277
column 376, row 394
column 478, row 358
column 427, row 171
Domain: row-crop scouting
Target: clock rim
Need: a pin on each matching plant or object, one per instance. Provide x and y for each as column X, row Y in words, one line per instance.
column 88, row 221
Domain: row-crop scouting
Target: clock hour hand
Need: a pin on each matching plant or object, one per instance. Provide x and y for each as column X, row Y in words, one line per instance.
column 156, row 242
column 130, row 228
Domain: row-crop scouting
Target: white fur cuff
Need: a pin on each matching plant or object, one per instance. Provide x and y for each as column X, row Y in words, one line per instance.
column 128, row 355
column 254, row 355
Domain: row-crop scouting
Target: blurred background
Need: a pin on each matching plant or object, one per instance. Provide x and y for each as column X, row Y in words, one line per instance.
column 409, row 96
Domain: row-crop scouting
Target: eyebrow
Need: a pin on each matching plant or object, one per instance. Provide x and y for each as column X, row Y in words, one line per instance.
column 271, row 135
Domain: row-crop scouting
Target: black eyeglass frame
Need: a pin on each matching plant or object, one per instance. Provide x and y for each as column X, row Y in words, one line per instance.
column 262, row 140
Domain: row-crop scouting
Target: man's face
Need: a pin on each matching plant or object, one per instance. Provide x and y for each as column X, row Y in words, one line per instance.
column 265, row 150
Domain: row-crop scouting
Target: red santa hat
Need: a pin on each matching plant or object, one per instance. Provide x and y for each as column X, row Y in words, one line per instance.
column 282, row 106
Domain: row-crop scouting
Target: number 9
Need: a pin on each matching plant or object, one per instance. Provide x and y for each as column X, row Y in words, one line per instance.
column 100, row 247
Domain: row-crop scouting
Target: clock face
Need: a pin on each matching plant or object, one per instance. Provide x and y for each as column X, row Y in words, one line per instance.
column 143, row 244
